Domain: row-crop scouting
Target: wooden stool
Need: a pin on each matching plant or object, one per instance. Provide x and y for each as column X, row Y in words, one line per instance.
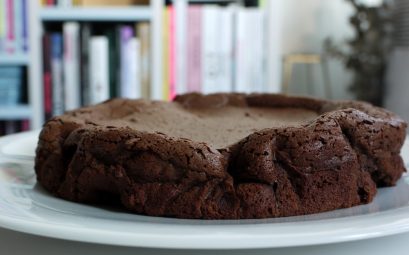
column 308, row 60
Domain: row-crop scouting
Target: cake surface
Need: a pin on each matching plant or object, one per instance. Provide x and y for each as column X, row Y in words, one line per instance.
column 222, row 156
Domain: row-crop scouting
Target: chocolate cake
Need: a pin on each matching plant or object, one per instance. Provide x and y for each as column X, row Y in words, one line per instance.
column 222, row 156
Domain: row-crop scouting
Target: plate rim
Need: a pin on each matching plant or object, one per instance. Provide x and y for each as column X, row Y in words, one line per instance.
column 235, row 236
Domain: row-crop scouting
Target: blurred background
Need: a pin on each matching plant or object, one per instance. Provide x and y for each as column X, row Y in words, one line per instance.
column 57, row 55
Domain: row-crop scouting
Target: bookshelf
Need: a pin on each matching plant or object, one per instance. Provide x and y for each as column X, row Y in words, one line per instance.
column 17, row 112
column 15, row 59
column 140, row 13
column 40, row 17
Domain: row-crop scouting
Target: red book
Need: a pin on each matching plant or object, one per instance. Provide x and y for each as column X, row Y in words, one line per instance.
column 50, row 2
column 10, row 36
column 47, row 79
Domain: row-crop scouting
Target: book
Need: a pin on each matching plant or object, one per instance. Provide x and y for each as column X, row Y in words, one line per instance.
column 99, row 72
column 133, row 68
column 112, row 33
column 47, row 80
column 180, row 9
column 9, row 27
column 2, row 25
column 210, row 49
column 225, row 79
column 56, row 74
column 64, row 3
column 194, row 47
column 85, row 35
column 18, row 25
column 50, row 2
column 172, row 53
column 10, row 72
column 127, row 88
column 165, row 54
column 249, row 45
column 24, row 32
column 10, row 88
column 143, row 31
column 72, row 92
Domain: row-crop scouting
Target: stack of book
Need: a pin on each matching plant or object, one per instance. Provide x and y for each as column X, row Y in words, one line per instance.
column 88, row 63
column 13, row 27
column 13, row 126
column 11, row 79
column 209, row 48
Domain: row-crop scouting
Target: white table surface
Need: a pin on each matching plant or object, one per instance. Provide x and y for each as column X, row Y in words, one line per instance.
column 12, row 242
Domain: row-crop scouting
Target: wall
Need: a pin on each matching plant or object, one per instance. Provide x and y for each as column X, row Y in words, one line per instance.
column 304, row 27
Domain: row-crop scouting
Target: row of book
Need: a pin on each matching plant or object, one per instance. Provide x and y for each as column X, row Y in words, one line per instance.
column 211, row 48
column 11, row 85
column 13, row 26
column 88, row 63
column 70, row 3
column 206, row 48
column 13, row 126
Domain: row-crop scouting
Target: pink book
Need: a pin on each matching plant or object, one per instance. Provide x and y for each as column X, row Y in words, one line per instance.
column 172, row 63
column 9, row 26
column 194, row 46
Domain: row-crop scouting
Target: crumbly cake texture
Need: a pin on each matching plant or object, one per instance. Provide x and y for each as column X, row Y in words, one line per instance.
column 222, row 156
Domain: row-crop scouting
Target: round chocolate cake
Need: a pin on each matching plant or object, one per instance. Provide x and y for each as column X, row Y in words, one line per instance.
column 222, row 156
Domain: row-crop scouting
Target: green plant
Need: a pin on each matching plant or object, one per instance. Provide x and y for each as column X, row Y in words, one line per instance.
column 366, row 53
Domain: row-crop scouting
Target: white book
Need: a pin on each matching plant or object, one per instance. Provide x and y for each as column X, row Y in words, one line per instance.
column 64, row 3
column 226, row 50
column 210, row 49
column 180, row 46
column 130, row 69
column 249, row 46
column 72, row 91
column 99, row 69
column 18, row 25
column 2, row 25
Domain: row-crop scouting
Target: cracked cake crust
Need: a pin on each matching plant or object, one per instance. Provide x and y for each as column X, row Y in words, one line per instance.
column 334, row 160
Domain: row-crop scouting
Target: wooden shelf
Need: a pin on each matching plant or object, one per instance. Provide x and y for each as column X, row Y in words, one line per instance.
column 140, row 13
column 18, row 112
column 14, row 59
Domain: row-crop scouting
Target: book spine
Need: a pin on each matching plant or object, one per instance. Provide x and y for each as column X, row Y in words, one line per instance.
column 86, row 31
column 172, row 54
column 126, row 89
column 10, row 88
column 143, row 32
column 72, row 91
column 50, row 2
column 114, row 73
column 210, row 49
column 180, row 8
column 25, row 125
column 18, row 25
column 226, row 51
column 133, row 63
column 166, row 56
column 56, row 74
column 255, row 65
column 99, row 70
column 24, row 31
column 240, row 52
column 10, row 36
column 2, row 25
column 47, row 80
column 194, row 47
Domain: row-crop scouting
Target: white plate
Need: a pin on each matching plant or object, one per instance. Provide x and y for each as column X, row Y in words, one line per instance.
column 25, row 207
